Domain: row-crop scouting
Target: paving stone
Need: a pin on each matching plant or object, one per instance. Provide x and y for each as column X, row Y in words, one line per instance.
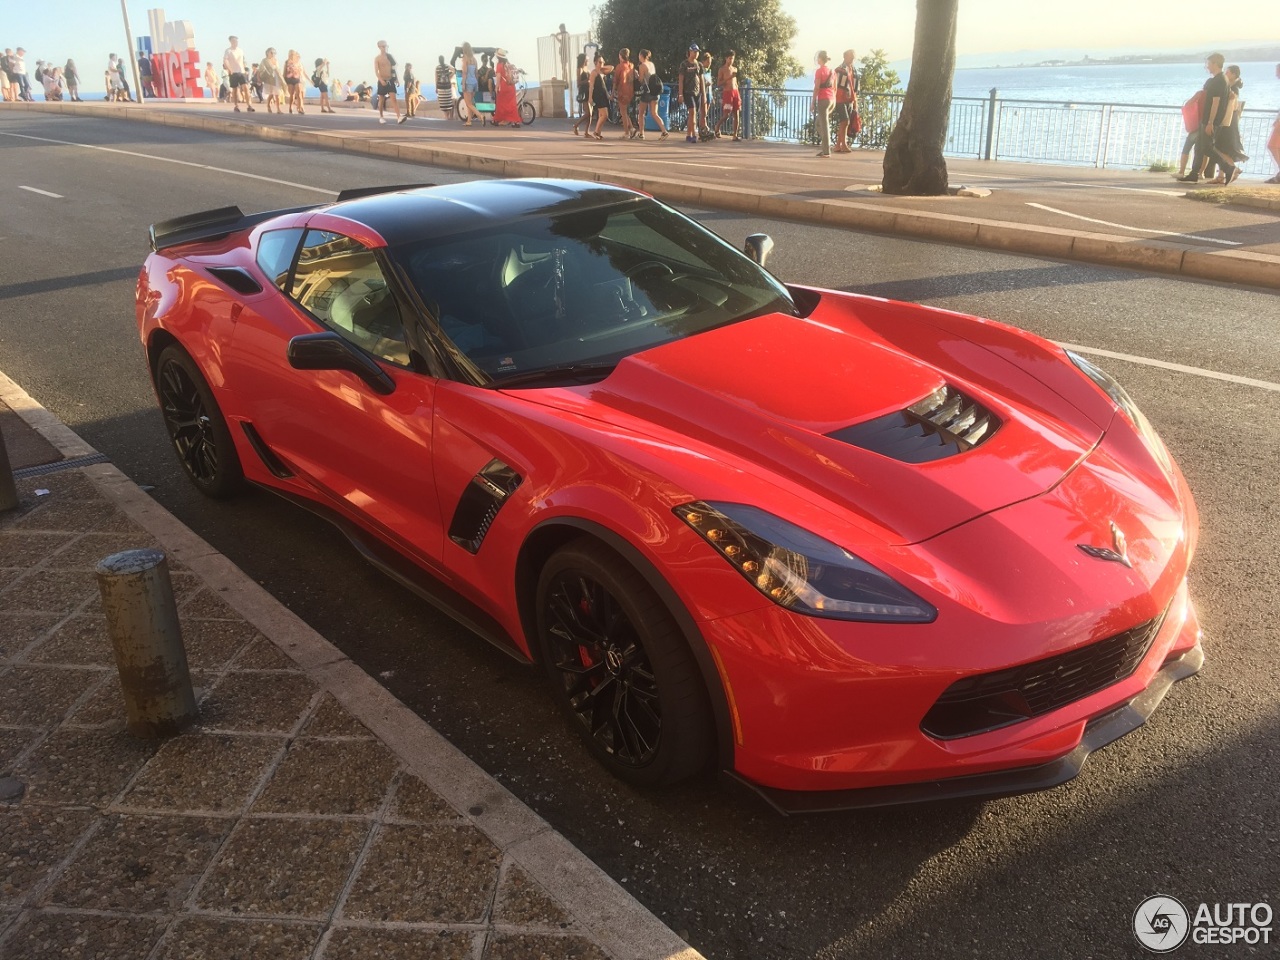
column 203, row 605
column 259, row 702
column 331, row 720
column 19, row 630
column 12, row 743
column 71, row 485
column 441, row 874
column 120, row 523
column 40, row 696
column 210, row 938
column 522, row 902
column 415, row 801
column 198, row 771
column 76, row 936
column 535, row 946
column 211, row 644
column 23, row 550
column 83, row 766
column 86, row 552
column 357, row 943
column 34, row 840
column 139, row 864
column 263, row 655
column 11, row 575
column 279, row 866
column 330, row 777
column 73, row 514
column 185, row 584
column 50, row 591
column 104, row 708
column 80, row 640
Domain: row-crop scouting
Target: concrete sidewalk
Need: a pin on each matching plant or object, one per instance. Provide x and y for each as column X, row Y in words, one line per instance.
column 308, row 815
column 1119, row 218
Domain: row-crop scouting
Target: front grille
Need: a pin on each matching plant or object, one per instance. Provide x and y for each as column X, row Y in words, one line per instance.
column 941, row 425
column 991, row 700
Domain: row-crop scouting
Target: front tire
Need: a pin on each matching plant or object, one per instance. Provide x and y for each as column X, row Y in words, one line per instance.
column 527, row 113
column 196, row 426
column 620, row 667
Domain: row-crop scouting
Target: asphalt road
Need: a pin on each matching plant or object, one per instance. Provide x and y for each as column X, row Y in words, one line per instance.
column 1187, row 805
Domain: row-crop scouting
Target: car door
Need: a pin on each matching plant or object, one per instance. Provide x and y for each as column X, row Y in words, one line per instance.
column 367, row 453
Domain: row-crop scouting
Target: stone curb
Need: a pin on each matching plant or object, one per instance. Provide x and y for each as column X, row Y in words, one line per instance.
column 603, row 908
column 1252, row 269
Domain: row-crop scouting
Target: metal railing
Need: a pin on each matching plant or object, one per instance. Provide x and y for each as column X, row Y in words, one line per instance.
column 990, row 128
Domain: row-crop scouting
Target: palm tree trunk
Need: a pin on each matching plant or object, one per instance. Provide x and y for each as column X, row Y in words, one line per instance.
column 913, row 161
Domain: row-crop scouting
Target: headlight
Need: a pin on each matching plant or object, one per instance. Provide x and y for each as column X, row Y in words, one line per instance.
column 801, row 571
column 1111, row 387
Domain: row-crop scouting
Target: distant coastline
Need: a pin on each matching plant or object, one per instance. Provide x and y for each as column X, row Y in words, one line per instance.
column 1249, row 54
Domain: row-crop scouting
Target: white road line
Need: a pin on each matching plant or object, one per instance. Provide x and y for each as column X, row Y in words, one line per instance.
column 1176, row 367
column 43, row 193
column 183, row 163
column 1121, row 226
column 680, row 163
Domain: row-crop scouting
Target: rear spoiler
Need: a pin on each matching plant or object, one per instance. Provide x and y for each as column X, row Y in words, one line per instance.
column 211, row 225
column 224, row 221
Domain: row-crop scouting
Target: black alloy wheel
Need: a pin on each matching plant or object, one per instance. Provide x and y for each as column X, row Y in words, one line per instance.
column 196, row 426
column 621, row 668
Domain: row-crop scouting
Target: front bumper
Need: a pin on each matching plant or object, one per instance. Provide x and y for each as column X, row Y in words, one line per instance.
column 1098, row 733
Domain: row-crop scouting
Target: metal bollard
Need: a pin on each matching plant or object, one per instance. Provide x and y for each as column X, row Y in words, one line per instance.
column 8, row 491
column 142, row 619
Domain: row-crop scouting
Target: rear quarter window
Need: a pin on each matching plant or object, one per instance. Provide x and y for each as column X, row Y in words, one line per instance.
column 275, row 254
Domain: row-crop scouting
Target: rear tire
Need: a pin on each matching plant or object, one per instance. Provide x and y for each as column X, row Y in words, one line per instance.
column 196, row 426
column 620, row 667
column 527, row 113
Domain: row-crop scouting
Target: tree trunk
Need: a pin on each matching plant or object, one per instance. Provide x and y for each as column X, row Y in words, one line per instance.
column 913, row 162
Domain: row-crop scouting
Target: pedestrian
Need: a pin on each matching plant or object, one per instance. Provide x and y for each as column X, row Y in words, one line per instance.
column 704, row 123
column 583, row 96
column 624, row 90
column 1212, row 140
column 410, row 91
column 210, row 79
column 115, row 83
column 272, row 82
column 444, row 86
column 650, row 85
column 730, row 96
column 293, row 81
column 824, row 96
column 19, row 61
column 384, row 65
column 470, row 85
column 255, row 82
column 1230, row 138
column 10, row 76
column 599, row 95
column 146, row 78
column 848, row 122
column 1273, row 142
column 320, row 79
column 237, row 74
column 72, row 76
column 51, row 80
column 505, row 108
column 688, row 89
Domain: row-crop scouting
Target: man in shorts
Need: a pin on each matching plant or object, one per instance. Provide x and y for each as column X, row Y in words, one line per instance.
column 384, row 65
column 730, row 96
column 689, row 90
column 237, row 74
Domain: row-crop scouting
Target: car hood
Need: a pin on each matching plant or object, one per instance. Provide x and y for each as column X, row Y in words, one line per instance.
column 767, row 394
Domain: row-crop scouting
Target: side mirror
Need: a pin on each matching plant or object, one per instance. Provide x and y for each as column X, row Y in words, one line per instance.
column 758, row 247
column 328, row 351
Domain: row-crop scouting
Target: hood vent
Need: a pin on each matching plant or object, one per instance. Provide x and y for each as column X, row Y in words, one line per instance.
column 941, row 425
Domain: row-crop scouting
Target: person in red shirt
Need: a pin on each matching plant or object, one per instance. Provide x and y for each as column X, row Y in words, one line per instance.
column 846, row 103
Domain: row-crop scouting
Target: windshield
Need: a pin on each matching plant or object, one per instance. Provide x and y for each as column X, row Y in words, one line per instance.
column 576, row 292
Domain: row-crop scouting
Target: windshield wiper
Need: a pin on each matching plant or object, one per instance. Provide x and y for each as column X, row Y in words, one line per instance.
column 580, row 372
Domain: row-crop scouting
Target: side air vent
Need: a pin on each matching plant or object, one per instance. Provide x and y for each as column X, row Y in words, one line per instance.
column 941, row 425
column 237, row 278
column 265, row 454
column 480, row 503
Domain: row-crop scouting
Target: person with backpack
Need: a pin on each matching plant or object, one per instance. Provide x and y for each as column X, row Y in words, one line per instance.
column 650, row 90
column 320, row 80
column 689, row 90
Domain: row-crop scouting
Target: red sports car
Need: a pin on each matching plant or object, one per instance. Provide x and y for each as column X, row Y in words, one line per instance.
column 854, row 551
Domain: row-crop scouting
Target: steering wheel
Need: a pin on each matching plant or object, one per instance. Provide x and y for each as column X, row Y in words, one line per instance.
column 647, row 266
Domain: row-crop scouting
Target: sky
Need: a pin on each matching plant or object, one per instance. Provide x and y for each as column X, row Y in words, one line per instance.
column 346, row 32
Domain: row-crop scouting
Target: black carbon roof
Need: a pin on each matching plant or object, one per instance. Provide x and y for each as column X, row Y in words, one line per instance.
column 409, row 215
